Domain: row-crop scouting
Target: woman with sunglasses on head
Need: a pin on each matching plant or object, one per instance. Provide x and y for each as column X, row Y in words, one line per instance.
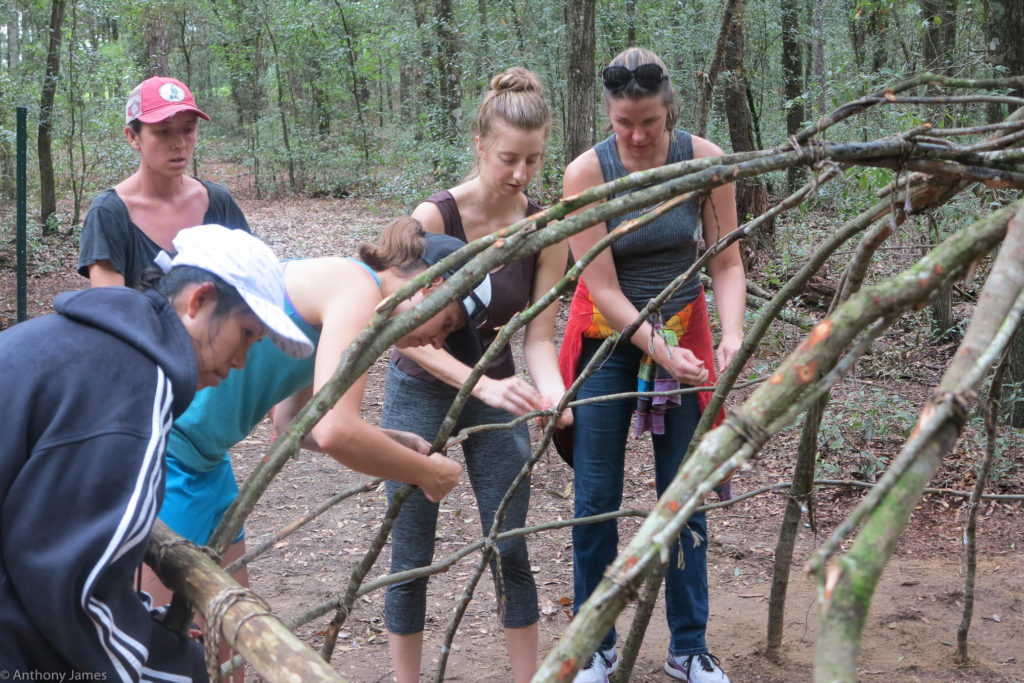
column 89, row 394
column 510, row 129
column 129, row 224
column 642, row 108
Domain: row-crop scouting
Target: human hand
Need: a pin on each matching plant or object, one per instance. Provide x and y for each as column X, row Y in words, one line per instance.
column 684, row 366
column 409, row 440
column 512, row 394
column 445, row 474
column 727, row 349
column 564, row 420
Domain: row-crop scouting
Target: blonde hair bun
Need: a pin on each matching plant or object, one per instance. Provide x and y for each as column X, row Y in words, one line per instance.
column 517, row 79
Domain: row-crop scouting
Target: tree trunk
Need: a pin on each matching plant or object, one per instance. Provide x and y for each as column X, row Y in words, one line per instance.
column 938, row 37
column 13, row 39
column 47, row 182
column 630, row 23
column 516, row 20
column 157, row 46
column 792, row 80
column 424, row 79
column 819, row 54
column 938, row 40
column 282, row 109
column 1015, row 377
column 1003, row 30
column 483, row 48
column 751, row 195
column 450, row 89
column 579, row 101
column 855, row 23
column 360, row 93
column 242, row 44
column 879, row 22
column 406, row 79
column 706, row 80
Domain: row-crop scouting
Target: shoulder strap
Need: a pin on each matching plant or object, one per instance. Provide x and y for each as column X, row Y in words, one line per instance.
column 445, row 203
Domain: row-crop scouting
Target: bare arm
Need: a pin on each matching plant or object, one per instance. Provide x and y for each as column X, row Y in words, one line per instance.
column 102, row 274
column 539, row 345
column 284, row 412
column 728, row 281
column 342, row 433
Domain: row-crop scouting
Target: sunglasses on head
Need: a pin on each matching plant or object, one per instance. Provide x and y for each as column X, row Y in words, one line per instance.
column 647, row 77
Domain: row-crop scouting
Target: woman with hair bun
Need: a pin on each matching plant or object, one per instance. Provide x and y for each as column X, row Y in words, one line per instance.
column 510, row 130
column 641, row 105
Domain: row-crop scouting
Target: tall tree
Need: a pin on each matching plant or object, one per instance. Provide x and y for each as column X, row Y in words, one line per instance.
column 792, row 79
column 706, row 79
column 157, row 43
column 448, row 68
column 13, row 38
column 819, row 53
column 241, row 46
column 751, row 195
column 579, row 57
column 483, row 52
column 938, row 36
column 1004, row 26
column 47, row 183
column 938, row 40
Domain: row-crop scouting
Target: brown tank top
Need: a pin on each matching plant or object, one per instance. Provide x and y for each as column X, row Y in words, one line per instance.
column 511, row 289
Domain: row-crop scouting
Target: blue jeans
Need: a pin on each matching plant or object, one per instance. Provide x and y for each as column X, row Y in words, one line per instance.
column 600, row 431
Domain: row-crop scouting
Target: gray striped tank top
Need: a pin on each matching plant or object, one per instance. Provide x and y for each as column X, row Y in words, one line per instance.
column 648, row 259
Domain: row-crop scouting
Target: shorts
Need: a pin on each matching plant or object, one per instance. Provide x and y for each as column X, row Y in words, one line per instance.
column 194, row 501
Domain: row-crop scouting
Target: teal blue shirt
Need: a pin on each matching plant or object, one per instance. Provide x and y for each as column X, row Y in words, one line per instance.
column 221, row 416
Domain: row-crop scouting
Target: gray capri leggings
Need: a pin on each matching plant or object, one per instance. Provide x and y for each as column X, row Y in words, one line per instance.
column 493, row 459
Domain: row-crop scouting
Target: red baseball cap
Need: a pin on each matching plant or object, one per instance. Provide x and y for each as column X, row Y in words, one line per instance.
column 159, row 98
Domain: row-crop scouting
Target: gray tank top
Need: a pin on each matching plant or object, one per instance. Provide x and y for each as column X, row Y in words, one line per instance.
column 650, row 258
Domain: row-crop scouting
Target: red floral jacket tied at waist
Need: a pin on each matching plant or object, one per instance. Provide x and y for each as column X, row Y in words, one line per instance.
column 688, row 329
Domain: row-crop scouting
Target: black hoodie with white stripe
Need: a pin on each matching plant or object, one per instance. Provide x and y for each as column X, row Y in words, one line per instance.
column 87, row 396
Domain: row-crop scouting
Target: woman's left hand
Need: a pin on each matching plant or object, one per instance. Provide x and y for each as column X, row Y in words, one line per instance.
column 727, row 349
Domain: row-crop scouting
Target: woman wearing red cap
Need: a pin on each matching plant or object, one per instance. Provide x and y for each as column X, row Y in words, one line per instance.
column 129, row 224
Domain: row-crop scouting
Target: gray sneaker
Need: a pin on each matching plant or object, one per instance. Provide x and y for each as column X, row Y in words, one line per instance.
column 702, row 668
column 602, row 665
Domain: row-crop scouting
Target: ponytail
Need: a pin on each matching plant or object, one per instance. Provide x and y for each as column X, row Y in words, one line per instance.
column 400, row 246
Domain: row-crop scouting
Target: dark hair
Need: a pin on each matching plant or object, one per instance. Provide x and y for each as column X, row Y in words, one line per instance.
column 172, row 282
column 631, row 58
column 400, row 246
column 135, row 125
column 516, row 97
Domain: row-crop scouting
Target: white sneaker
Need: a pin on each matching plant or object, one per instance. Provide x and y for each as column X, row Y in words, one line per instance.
column 702, row 668
column 601, row 666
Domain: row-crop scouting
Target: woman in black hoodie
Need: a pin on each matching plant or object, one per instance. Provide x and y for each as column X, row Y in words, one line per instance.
column 89, row 395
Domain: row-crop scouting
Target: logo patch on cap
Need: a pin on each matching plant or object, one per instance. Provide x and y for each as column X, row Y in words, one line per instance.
column 171, row 93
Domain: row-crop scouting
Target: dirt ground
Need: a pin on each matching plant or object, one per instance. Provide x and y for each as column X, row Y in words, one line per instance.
column 910, row 633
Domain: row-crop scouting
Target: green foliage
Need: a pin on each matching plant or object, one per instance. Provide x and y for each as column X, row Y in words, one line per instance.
column 857, row 428
column 325, row 97
column 1008, row 443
